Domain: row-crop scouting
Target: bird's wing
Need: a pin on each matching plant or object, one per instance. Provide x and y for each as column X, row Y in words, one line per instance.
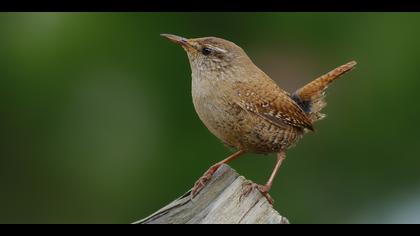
column 271, row 103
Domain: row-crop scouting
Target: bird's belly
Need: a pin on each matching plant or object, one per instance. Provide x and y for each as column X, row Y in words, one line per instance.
column 243, row 130
column 221, row 120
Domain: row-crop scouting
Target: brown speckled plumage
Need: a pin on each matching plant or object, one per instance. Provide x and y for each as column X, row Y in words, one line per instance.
column 244, row 107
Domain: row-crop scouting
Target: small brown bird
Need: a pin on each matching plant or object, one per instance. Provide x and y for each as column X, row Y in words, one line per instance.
column 245, row 108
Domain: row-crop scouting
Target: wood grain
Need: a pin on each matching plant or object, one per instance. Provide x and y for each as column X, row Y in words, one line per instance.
column 219, row 202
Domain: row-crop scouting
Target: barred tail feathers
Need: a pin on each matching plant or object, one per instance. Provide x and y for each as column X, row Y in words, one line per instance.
column 311, row 97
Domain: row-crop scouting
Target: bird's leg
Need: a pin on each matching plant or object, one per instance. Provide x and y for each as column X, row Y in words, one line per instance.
column 199, row 185
column 264, row 189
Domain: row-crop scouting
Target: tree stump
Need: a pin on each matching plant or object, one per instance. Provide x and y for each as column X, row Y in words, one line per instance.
column 219, row 202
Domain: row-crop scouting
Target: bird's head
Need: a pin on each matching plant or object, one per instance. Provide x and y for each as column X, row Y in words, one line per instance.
column 210, row 54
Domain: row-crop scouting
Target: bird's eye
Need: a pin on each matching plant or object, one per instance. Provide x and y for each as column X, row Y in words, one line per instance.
column 206, row 51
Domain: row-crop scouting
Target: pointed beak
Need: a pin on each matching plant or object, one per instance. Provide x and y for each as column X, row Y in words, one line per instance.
column 176, row 39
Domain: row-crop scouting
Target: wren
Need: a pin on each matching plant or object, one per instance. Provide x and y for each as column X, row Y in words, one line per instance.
column 245, row 108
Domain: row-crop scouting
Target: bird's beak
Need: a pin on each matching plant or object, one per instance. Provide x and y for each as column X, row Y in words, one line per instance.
column 176, row 39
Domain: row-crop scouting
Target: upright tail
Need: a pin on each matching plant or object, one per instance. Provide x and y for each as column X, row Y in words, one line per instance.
column 311, row 97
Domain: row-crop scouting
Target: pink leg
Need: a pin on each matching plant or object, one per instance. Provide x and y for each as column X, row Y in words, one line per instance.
column 199, row 185
column 264, row 189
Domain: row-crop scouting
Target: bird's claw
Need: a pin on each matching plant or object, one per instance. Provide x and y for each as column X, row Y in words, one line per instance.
column 199, row 185
column 202, row 181
column 249, row 187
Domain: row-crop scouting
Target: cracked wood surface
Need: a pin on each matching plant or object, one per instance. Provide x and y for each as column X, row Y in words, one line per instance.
column 219, row 202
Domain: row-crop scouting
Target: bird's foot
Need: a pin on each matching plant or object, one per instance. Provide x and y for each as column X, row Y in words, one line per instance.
column 249, row 187
column 203, row 180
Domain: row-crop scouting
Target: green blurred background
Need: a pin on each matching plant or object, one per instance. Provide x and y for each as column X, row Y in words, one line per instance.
column 97, row 123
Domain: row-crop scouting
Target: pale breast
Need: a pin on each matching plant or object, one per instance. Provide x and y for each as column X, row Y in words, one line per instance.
column 219, row 118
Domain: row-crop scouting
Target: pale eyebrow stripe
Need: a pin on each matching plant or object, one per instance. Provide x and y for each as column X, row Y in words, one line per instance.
column 216, row 48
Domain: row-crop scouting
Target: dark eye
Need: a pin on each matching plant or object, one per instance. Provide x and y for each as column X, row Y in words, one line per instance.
column 206, row 51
